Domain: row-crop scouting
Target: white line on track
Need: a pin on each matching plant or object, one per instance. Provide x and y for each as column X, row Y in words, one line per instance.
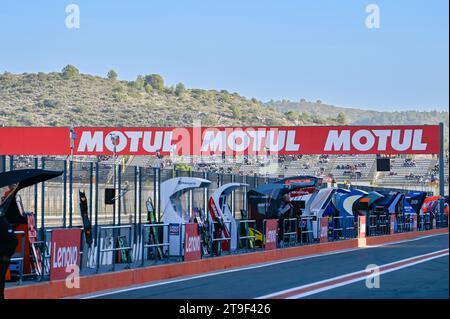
column 296, row 292
column 167, row 282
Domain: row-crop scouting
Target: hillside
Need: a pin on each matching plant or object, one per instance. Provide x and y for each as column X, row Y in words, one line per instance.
column 359, row 116
column 63, row 98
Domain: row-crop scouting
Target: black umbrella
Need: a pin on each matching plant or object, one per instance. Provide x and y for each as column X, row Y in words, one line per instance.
column 20, row 179
column 26, row 177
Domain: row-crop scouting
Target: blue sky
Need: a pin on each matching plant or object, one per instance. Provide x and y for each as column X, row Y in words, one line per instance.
column 265, row 49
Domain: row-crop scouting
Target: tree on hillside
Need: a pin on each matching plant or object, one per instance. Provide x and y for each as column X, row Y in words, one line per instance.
column 342, row 118
column 148, row 88
column 139, row 82
column 292, row 115
column 112, row 75
column 155, row 80
column 180, row 89
column 70, row 72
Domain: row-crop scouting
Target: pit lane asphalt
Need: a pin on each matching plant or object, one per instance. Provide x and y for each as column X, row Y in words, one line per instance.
column 427, row 280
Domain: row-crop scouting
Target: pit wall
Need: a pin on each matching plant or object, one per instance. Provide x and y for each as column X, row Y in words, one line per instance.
column 124, row 278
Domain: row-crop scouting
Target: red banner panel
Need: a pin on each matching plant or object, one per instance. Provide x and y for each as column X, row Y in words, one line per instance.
column 34, row 141
column 362, row 227
column 324, row 230
column 65, row 251
column 192, row 243
column 271, row 234
column 412, row 139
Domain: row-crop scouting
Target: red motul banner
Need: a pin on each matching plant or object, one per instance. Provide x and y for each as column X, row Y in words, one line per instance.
column 65, row 251
column 324, row 229
column 192, row 243
column 271, row 234
column 412, row 139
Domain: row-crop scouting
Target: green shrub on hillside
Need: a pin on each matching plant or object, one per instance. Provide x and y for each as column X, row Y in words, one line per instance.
column 155, row 80
column 70, row 72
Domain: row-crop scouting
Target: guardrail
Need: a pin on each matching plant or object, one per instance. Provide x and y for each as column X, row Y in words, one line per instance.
column 343, row 227
column 216, row 241
column 249, row 239
column 115, row 238
column 153, row 239
column 441, row 220
column 378, row 225
column 306, row 232
column 289, row 231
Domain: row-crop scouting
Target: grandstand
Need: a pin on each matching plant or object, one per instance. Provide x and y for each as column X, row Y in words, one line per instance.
column 405, row 171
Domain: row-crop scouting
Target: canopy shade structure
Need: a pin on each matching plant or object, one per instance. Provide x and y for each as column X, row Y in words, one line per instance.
column 18, row 180
column 218, row 208
column 366, row 202
column 264, row 200
column 171, row 192
column 414, row 202
column 173, row 212
column 345, row 199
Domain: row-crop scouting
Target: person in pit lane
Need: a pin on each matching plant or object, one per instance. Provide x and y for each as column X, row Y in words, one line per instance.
column 284, row 212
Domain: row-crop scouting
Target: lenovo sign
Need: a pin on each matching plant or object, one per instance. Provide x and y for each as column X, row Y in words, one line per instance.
column 271, row 234
column 65, row 251
column 412, row 139
column 192, row 243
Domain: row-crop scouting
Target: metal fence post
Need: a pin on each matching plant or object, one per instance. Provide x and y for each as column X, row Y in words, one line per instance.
column 65, row 194
column 36, row 166
column 441, row 170
column 97, row 239
column 70, row 192
column 155, row 183
column 140, row 203
column 115, row 188
column 159, row 192
column 205, row 194
column 135, row 202
column 11, row 162
column 3, row 163
column 233, row 198
column 42, row 203
column 91, row 181
column 119, row 194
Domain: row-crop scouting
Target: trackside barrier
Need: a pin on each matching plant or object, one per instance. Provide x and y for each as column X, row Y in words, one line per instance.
column 441, row 221
column 402, row 224
column 289, row 231
column 216, row 241
column 306, row 233
column 378, row 225
column 115, row 236
column 343, row 227
column 19, row 259
column 151, row 232
column 249, row 239
column 383, row 224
